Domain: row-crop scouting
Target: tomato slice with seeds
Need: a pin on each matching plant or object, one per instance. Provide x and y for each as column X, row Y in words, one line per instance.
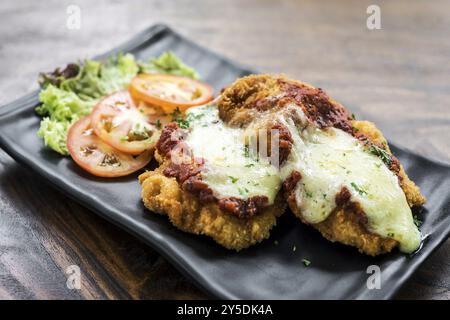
column 118, row 122
column 154, row 114
column 170, row 92
column 98, row 157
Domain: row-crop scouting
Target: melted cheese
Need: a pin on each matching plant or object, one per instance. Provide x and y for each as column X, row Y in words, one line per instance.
column 328, row 160
column 331, row 159
column 230, row 170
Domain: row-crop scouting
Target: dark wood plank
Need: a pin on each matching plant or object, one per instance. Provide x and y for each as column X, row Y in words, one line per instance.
column 397, row 77
column 43, row 232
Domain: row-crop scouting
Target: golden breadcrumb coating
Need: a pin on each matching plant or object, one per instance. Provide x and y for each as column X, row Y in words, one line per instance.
column 164, row 195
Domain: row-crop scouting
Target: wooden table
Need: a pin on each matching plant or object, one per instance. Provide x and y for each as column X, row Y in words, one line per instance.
column 397, row 76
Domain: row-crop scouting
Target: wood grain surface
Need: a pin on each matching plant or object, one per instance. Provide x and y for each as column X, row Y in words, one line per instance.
column 397, row 76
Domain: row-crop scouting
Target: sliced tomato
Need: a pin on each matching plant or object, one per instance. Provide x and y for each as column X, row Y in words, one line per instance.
column 118, row 122
column 99, row 158
column 170, row 92
column 154, row 114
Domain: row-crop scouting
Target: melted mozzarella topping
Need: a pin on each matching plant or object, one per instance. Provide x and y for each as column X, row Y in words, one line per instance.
column 328, row 160
column 230, row 169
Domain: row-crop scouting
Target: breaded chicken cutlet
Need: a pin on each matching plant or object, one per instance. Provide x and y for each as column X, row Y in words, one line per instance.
column 337, row 174
column 202, row 192
column 165, row 195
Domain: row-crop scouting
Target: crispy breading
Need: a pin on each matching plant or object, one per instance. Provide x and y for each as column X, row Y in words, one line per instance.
column 238, row 101
column 164, row 195
column 345, row 226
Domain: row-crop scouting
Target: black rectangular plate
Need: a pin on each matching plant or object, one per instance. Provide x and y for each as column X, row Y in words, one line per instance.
column 270, row 270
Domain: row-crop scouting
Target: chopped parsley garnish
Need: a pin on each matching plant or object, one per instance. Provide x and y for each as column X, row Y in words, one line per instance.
column 183, row 124
column 308, row 194
column 358, row 189
column 249, row 165
column 242, row 191
column 246, row 151
column 191, row 116
column 306, row 262
column 391, row 234
column 233, row 179
column 353, row 116
column 176, row 113
column 177, row 117
column 381, row 153
column 158, row 124
column 417, row 221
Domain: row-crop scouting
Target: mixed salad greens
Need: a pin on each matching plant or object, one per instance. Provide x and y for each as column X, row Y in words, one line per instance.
column 70, row 94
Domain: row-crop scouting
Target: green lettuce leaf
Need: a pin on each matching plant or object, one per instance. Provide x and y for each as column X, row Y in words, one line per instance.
column 98, row 79
column 54, row 133
column 60, row 109
column 169, row 63
column 62, row 105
